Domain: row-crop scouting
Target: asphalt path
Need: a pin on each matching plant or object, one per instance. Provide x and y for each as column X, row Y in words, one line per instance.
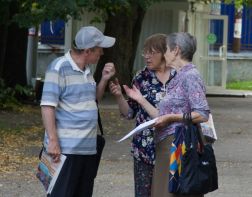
column 232, row 118
column 233, row 122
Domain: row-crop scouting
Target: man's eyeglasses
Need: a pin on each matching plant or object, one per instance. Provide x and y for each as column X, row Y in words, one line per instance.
column 149, row 53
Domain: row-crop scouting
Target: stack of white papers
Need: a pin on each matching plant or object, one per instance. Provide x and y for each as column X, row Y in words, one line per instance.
column 139, row 128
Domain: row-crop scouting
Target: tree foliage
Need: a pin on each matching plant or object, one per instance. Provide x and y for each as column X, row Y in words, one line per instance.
column 239, row 3
column 128, row 14
column 33, row 12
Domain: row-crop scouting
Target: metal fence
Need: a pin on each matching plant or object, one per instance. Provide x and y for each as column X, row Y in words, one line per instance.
column 246, row 40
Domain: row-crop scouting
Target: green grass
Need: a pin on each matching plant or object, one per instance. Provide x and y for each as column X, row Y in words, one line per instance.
column 240, row 85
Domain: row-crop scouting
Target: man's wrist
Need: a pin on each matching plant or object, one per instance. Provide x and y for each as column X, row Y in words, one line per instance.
column 53, row 138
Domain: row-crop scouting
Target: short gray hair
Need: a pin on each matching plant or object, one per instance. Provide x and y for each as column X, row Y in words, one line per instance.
column 185, row 42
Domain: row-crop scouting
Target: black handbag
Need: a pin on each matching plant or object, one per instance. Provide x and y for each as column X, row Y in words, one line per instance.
column 198, row 173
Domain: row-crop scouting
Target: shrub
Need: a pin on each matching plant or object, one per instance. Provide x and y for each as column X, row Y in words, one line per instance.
column 12, row 98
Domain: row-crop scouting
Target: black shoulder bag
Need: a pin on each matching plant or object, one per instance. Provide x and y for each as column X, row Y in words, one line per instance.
column 198, row 164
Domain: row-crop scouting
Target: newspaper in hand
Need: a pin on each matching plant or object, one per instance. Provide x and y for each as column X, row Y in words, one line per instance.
column 48, row 171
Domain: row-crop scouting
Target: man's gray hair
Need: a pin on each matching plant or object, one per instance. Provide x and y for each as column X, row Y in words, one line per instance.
column 186, row 43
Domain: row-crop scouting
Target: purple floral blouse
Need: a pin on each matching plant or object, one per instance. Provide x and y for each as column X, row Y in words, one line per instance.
column 185, row 93
column 143, row 146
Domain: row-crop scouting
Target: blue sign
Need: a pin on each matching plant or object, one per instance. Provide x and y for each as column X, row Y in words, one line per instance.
column 53, row 32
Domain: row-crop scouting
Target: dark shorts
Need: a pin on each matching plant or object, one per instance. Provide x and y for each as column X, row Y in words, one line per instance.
column 76, row 178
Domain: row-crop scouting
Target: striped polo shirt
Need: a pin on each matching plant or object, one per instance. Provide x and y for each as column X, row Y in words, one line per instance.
column 72, row 92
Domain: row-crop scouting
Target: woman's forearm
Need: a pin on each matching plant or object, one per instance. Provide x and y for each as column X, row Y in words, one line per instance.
column 149, row 108
column 100, row 89
column 123, row 105
column 166, row 119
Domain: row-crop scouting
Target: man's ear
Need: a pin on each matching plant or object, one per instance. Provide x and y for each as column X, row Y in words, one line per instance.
column 87, row 51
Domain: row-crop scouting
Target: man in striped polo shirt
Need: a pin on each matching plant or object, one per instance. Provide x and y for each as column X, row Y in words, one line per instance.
column 69, row 110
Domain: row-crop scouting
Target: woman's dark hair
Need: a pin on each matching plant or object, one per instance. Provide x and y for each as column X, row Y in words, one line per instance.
column 186, row 43
column 155, row 42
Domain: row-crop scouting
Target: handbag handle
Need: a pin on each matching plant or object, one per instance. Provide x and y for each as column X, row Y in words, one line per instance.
column 195, row 137
column 190, row 139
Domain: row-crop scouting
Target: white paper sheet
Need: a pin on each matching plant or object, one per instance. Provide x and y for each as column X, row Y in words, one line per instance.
column 139, row 128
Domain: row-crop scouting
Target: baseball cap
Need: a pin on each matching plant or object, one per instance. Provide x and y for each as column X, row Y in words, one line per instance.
column 89, row 37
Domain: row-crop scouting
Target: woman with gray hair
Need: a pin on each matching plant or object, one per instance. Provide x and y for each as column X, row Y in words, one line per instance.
column 184, row 94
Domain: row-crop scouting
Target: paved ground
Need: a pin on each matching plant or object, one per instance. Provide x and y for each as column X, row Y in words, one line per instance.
column 232, row 117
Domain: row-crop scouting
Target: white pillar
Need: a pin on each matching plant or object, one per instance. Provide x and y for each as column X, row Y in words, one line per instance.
column 68, row 34
column 31, row 55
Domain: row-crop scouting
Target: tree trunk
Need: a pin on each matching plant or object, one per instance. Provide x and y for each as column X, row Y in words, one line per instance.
column 126, row 28
column 3, row 37
column 13, row 53
column 15, row 58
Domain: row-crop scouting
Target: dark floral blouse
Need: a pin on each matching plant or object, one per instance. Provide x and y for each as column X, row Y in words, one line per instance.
column 143, row 147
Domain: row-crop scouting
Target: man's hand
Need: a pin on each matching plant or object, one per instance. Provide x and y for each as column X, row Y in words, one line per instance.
column 53, row 150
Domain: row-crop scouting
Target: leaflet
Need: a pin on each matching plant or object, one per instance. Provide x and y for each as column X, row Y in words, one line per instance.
column 139, row 128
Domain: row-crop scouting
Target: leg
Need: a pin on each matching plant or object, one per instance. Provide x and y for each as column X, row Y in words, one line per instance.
column 86, row 181
column 68, row 178
column 143, row 178
column 85, row 189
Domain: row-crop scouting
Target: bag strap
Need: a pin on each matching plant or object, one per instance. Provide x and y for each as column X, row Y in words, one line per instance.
column 187, row 119
column 99, row 119
column 100, row 123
